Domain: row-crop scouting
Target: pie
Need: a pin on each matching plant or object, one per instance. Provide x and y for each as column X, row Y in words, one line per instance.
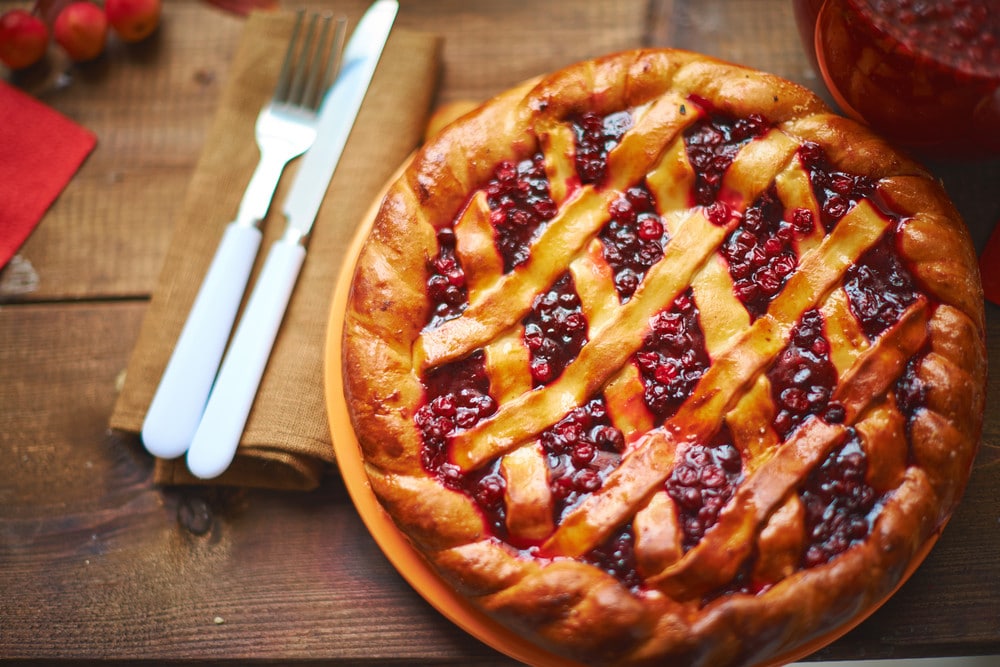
column 656, row 360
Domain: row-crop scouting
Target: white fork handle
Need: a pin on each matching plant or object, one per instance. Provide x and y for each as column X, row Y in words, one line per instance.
column 218, row 435
column 180, row 397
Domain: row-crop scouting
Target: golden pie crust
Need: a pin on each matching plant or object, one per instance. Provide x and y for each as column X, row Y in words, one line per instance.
column 755, row 581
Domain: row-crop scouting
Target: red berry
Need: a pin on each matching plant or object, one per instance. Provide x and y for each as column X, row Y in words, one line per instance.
column 133, row 20
column 81, row 29
column 23, row 39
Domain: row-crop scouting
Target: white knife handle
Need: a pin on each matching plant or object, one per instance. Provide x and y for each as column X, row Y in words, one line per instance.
column 215, row 441
column 180, row 397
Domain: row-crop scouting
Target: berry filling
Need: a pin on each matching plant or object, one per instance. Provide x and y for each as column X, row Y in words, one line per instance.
column 803, row 377
column 836, row 191
column 633, row 239
column 446, row 286
column 457, row 398
column 616, row 556
column 879, row 288
column 761, row 251
column 519, row 201
column 838, row 503
column 582, row 449
column 701, row 484
column 595, row 136
column 712, row 143
column 911, row 392
column 673, row 357
column 554, row 331
column 963, row 34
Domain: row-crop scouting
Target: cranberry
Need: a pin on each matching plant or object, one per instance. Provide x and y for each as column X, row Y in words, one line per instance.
column 911, row 392
column 633, row 239
column 838, row 503
column 760, row 252
column 595, row 137
column 133, row 20
column 457, row 397
column 962, row 34
column 803, row 377
column 712, row 143
column 836, row 192
column 519, row 201
column 879, row 288
column 616, row 556
column 446, row 281
column 673, row 357
column 554, row 331
column 743, row 583
column 581, row 449
column 701, row 485
column 24, row 38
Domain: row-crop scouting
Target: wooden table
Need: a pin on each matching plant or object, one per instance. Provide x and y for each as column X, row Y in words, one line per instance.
column 96, row 563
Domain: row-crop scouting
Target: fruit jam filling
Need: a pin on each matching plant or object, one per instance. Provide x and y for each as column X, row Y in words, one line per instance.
column 519, row 201
column 803, row 377
column 961, row 33
column 458, row 398
column 712, row 142
column 633, row 239
column 581, row 449
column 554, row 330
column 595, row 136
column 702, row 483
column 879, row 288
column 446, row 281
column 911, row 392
column 836, row 191
column 673, row 357
column 616, row 556
column 761, row 251
column 839, row 504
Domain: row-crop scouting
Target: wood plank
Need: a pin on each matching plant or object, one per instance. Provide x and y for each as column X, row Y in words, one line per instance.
column 97, row 563
column 493, row 46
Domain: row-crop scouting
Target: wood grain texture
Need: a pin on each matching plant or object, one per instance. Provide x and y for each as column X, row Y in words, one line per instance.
column 97, row 564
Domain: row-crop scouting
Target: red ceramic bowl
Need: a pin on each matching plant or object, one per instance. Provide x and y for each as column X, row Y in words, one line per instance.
column 923, row 73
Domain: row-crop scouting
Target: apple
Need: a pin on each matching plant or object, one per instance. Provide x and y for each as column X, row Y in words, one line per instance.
column 81, row 29
column 23, row 38
column 133, row 20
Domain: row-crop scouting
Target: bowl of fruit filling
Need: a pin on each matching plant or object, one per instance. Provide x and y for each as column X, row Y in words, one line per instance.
column 923, row 73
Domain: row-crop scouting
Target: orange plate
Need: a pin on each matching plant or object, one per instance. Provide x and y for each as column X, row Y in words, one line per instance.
column 407, row 560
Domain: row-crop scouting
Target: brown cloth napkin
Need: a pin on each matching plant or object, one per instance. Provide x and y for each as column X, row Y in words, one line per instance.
column 286, row 443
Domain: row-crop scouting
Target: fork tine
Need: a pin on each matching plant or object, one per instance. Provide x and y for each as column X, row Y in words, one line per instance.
column 326, row 62
column 302, row 64
column 308, row 92
column 284, row 77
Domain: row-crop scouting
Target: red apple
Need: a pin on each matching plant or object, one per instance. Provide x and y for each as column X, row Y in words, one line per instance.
column 133, row 20
column 81, row 29
column 23, row 38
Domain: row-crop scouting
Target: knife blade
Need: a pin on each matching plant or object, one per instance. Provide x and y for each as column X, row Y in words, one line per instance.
column 231, row 399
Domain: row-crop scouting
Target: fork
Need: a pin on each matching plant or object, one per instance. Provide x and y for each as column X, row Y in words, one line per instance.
column 285, row 128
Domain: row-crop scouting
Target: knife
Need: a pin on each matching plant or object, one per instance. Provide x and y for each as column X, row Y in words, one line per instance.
column 217, row 437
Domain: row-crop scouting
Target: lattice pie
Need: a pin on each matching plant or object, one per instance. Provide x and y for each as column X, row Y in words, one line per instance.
column 657, row 359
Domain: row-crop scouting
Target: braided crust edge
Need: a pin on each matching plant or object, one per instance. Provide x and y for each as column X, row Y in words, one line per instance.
column 570, row 607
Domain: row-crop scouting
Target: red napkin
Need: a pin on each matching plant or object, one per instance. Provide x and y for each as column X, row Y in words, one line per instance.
column 40, row 150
